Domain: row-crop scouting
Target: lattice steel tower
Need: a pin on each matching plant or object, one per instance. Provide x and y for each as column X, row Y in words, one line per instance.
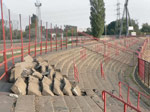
column 127, row 19
column 117, row 27
column 38, row 14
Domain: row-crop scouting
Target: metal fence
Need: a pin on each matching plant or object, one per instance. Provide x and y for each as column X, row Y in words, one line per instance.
column 143, row 65
column 144, row 71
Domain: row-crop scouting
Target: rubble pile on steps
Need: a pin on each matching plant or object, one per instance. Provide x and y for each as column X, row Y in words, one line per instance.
column 37, row 77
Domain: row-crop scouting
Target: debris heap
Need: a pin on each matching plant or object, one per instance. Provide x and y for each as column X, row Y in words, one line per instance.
column 37, row 77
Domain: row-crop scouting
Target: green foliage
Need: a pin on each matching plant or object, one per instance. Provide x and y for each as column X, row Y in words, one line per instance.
column 70, row 30
column 97, row 17
column 111, row 28
column 145, row 28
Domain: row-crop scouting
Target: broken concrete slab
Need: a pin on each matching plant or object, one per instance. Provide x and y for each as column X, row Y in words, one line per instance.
column 56, row 88
column 26, row 65
column 26, row 73
column 39, row 59
column 46, row 85
column 33, row 79
column 43, row 68
column 46, row 90
column 34, row 89
column 28, row 58
column 47, row 81
column 16, row 73
column 19, row 87
column 67, row 88
column 37, row 74
column 58, row 76
column 76, row 91
column 51, row 74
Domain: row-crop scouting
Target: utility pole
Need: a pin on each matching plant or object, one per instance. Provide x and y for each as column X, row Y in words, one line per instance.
column 125, row 16
column 38, row 14
column 117, row 19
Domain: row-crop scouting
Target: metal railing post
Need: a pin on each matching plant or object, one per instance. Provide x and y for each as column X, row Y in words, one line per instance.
column 10, row 30
column 35, row 37
column 22, row 49
column 66, row 38
column 61, row 36
column 29, row 36
column 46, row 36
column 138, row 101
column 104, row 99
column 56, row 37
column 51, row 44
column 125, row 108
column 41, row 40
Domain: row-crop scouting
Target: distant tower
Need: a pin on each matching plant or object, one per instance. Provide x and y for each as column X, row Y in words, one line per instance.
column 127, row 18
column 38, row 14
column 117, row 19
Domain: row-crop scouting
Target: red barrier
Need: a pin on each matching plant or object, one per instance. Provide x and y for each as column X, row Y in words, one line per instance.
column 102, row 72
column 76, row 38
column 51, row 45
column 128, row 94
column 46, row 36
column 22, row 49
column 10, row 30
column 66, row 38
column 83, row 54
column 35, row 38
column 119, row 99
column 29, row 36
column 76, row 73
column 41, row 39
column 61, row 36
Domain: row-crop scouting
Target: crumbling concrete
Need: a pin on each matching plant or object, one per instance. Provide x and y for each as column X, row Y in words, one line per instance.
column 28, row 59
column 67, row 88
column 37, row 77
column 19, row 87
column 76, row 91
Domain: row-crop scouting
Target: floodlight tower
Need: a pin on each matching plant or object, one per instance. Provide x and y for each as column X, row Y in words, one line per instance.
column 127, row 18
column 38, row 14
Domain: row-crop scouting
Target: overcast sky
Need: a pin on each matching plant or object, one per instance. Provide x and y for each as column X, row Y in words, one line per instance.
column 77, row 12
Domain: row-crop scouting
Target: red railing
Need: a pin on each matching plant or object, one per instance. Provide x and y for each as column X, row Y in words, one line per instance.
column 144, row 65
column 119, row 99
column 128, row 94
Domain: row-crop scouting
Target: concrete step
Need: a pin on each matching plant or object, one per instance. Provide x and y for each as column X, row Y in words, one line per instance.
column 72, row 104
column 25, row 104
column 63, row 60
column 59, row 104
column 93, row 105
column 44, row 104
column 6, row 103
column 85, row 107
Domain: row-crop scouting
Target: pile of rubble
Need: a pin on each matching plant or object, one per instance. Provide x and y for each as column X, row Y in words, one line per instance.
column 37, row 77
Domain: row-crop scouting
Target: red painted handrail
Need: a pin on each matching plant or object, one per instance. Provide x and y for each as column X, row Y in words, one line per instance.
column 119, row 99
column 120, row 84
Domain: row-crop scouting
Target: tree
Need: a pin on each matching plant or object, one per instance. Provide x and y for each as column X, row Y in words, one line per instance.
column 111, row 28
column 97, row 18
column 145, row 28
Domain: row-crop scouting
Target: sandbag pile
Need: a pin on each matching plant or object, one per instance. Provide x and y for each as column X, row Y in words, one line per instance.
column 37, row 77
